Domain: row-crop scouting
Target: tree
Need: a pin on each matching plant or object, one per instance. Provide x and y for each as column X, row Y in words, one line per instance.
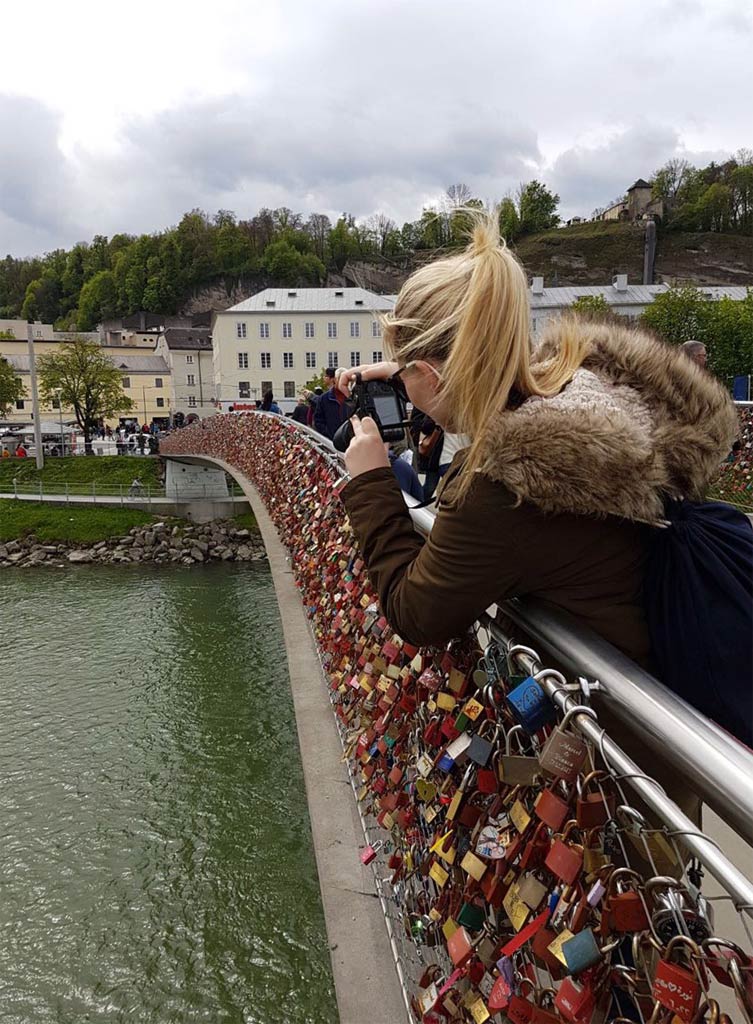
column 669, row 179
column 11, row 387
column 509, row 222
column 458, row 195
column 677, row 315
column 593, row 307
column 89, row 383
column 537, row 207
column 97, row 301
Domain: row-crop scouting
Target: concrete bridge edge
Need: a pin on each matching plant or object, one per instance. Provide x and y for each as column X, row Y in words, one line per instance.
column 366, row 981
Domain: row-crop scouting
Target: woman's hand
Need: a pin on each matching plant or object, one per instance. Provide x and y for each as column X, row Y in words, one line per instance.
column 366, row 451
column 368, row 371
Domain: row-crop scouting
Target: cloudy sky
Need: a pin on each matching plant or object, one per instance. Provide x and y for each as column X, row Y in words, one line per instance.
column 122, row 121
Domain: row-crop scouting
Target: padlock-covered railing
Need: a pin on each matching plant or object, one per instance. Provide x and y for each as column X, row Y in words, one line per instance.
column 528, row 869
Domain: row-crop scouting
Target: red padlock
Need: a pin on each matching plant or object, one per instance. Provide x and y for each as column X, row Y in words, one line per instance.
column 564, row 860
column 675, row 987
column 551, row 809
column 460, row 947
column 575, row 1002
column 368, row 853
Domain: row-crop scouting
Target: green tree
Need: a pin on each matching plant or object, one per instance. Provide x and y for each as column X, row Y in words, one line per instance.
column 98, row 300
column 89, row 383
column 593, row 307
column 537, row 207
column 286, row 264
column 676, row 315
column 11, row 387
column 509, row 221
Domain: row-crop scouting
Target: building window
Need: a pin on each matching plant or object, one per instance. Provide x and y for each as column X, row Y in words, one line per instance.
column 240, row 330
column 332, row 359
column 244, row 389
column 332, row 329
column 192, row 401
column 355, row 358
column 287, row 360
column 189, row 359
column 20, row 403
column 376, row 355
column 160, row 403
column 158, row 382
column 288, row 389
column 264, row 330
column 266, row 385
column 309, row 328
column 190, row 379
column 287, row 330
column 266, row 360
column 355, row 329
column 376, row 329
column 243, row 360
column 311, row 360
column 126, row 382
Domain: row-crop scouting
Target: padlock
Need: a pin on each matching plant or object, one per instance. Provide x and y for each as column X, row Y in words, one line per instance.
column 531, row 891
column 624, row 909
column 593, row 807
column 529, row 703
column 671, row 902
column 369, row 852
column 575, row 1001
column 565, row 859
column 552, row 809
column 515, row 769
column 581, row 952
column 564, row 753
column 472, row 916
column 459, row 793
column 481, row 747
column 455, row 754
column 675, row 986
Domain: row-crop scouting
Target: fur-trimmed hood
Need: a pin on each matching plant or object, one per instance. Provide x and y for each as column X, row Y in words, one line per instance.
column 638, row 423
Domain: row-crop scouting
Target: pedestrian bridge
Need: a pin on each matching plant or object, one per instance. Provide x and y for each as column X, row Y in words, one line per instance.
column 386, row 696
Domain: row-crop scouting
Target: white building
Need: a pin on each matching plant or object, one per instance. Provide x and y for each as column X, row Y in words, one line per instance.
column 188, row 354
column 280, row 338
column 628, row 300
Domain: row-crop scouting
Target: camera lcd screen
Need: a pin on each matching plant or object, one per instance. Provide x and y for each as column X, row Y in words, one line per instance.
column 387, row 409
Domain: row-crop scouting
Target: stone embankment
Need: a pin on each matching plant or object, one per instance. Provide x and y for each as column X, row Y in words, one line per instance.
column 156, row 543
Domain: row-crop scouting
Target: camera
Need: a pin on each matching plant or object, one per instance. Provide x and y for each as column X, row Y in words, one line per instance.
column 384, row 401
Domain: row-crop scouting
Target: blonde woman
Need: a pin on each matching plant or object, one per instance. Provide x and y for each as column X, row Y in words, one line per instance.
column 572, row 449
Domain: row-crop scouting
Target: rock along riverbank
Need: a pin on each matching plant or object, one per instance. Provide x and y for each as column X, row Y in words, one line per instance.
column 155, row 543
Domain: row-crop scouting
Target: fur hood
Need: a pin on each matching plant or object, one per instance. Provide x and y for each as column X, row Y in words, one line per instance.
column 638, row 423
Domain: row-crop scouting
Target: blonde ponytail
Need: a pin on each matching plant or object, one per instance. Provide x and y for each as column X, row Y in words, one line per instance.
column 470, row 312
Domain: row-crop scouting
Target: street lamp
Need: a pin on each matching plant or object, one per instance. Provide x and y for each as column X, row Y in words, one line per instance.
column 58, row 392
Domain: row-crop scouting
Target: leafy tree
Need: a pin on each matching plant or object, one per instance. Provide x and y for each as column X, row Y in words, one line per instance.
column 509, row 221
column 42, row 299
column 283, row 262
column 537, row 207
column 725, row 326
column 677, row 315
column 669, row 179
column 11, row 387
column 90, row 384
column 97, row 301
column 593, row 307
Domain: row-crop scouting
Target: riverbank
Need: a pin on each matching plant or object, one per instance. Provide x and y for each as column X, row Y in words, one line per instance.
column 32, row 536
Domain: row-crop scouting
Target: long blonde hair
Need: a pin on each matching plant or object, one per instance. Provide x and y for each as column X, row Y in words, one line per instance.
column 470, row 312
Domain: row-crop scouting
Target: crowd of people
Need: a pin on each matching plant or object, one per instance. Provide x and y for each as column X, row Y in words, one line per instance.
column 736, row 480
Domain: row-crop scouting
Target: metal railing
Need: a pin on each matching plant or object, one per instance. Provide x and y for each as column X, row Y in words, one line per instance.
column 122, row 494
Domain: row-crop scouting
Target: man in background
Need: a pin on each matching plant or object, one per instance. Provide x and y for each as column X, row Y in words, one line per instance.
column 332, row 409
column 696, row 351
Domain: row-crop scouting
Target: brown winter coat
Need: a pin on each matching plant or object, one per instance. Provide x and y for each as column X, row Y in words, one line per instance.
column 562, row 505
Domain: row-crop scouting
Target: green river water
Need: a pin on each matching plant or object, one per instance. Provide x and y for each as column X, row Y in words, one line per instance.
column 155, row 851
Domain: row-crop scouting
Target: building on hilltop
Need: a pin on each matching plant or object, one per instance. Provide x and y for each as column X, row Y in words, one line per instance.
column 280, row 338
column 638, row 204
column 187, row 351
column 628, row 300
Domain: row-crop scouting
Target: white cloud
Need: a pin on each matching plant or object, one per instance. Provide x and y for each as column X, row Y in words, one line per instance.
column 133, row 116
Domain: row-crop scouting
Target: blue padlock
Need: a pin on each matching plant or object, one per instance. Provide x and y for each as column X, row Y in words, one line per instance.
column 581, row 951
column 530, row 705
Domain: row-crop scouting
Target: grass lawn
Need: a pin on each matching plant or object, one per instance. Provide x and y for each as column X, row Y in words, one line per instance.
column 58, row 524
column 106, row 470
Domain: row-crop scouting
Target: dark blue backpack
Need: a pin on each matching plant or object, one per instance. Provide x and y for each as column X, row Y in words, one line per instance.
column 699, row 607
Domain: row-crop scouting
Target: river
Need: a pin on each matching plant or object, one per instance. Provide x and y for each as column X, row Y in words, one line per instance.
column 155, row 848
